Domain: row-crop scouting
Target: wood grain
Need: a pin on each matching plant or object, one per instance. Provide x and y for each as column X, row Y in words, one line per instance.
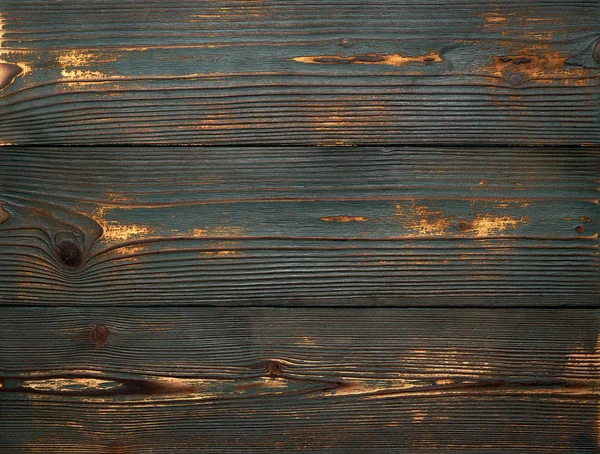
column 305, row 226
column 117, row 380
column 291, row 72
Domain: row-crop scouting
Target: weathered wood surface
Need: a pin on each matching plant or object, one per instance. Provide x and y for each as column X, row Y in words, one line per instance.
column 114, row 380
column 271, row 226
column 288, row 71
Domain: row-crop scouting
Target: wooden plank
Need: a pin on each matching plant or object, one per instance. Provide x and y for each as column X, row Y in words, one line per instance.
column 288, row 71
column 305, row 380
column 272, row 226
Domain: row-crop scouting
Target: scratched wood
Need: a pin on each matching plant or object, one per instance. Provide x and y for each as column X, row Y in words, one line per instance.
column 288, row 71
column 309, row 226
column 115, row 380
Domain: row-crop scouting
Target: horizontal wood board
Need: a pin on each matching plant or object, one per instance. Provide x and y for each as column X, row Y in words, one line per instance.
column 129, row 380
column 299, row 226
column 290, row 72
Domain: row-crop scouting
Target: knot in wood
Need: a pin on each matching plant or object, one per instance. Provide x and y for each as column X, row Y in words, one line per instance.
column 69, row 250
column 98, row 335
column 515, row 79
column 8, row 72
column 596, row 51
column 4, row 215
column 274, row 368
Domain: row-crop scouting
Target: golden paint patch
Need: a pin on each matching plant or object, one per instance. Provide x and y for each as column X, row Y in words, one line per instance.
column 227, row 247
column 418, row 416
column 70, row 384
column 371, row 59
column 305, row 340
column 117, row 232
column 420, row 220
column 423, row 221
column 583, row 361
column 130, row 250
column 72, row 61
column 221, row 230
column 353, row 387
column 216, row 122
column 79, row 74
column 494, row 19
column 541, row 65
column 220, row 253
column 113, row 230
column 74, row 58
column 485, row 225
column 344, row 219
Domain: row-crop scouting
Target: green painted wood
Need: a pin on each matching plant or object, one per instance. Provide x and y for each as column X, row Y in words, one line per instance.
column 299, row 226
column 129, row 380
column 292, row 72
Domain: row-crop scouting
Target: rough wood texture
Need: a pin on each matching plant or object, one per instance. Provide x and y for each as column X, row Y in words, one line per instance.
column 288, row 71
column 350, row 226
column 112, row 380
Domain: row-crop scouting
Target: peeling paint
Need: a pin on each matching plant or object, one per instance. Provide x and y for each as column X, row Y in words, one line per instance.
column 371, row 59
column 539, row 64
column 66, row 385
column 71, row 61
column 74, row 58
column 113, row 230
column 485, row 225
column 223, row 230
column 344, row 218
column 420, row 220
column 227, row 247
column 79, row 74
column 423, row 221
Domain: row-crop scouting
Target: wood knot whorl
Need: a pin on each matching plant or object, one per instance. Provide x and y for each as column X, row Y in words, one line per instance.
column 8, row 72
column 98, row 335
column 68, row 250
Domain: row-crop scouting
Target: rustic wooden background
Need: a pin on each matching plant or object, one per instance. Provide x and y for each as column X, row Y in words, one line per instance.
column 277, row 225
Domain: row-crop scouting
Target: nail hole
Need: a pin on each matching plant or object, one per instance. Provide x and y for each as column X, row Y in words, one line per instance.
column 579, row 229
